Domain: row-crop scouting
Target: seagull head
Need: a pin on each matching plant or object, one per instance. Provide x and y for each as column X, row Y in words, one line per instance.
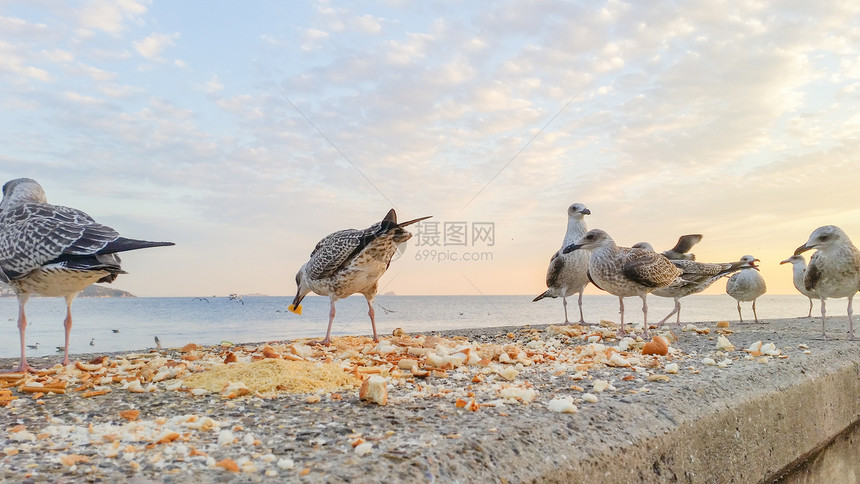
column 578, row 210
column 643, row 245
column 748, row 262
column 823, row 238
column 302, row 290
column 793, row 260
column 22, row 190
column 594, row 239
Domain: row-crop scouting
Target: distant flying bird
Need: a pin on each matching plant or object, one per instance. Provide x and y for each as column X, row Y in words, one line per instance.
column 695, row 277
column 157, row 344
column 201, row 299
column 54, row 251
column 568, row 273
column 351, row 261
column 92, row 342
column 115, row 330
column 237, row 298
column 834, row 270
column 624, row 271
column 798, row 264
column 681, row 251
column 746, row 285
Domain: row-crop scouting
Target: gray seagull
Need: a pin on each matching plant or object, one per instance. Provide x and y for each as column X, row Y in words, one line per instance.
column 625, row 271
column 834, row 270
column 568, row 273
column 351, row 261
column 746, row 285
column 54, row 251
column 798, row 269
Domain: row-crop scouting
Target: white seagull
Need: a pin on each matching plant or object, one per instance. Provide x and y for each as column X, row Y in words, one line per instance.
column 695, row 277
column 834, row 270
column 681, row 251
column 351, row 261
column 54, row 251
column 798, row 267
column 746, row 285
column 624, row 271
column 568, row 273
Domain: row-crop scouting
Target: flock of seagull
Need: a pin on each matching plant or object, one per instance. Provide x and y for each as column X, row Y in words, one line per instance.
column 833, row 270
column 57, row 251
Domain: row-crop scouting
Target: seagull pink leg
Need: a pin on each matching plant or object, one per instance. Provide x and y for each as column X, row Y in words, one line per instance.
column 22, row 329
column 327, row 340
column 564, row 303
column 674, row 311
column 68, row 325
column 645, row 316
column 823, row 321
column 622, row 332
column 581, row 316
column 754, row 314
column 372, row 314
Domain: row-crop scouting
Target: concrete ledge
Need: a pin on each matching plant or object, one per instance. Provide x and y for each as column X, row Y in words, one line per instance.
column 746, row 422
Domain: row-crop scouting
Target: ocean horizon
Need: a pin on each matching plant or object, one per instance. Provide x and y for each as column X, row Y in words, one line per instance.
column 181, row 320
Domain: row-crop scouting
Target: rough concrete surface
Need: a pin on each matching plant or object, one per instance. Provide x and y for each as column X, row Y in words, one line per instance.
column 747, row 422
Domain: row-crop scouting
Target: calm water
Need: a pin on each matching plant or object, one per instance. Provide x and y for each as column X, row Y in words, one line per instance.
column 177, row 321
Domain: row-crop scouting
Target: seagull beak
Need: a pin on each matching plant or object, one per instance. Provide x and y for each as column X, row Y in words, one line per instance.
column 296, row 307
column 570, row 248
column 786, row 261
column 585, row 211
column 803, row 248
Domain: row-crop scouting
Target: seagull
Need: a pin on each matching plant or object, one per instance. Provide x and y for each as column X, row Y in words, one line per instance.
column 834, row 270
column 34, row 347
column 746, row 285
column 115, row 330
column 624, row 271
column 798, row 264
column 681, row 249
column 92, row 342
column 695, row 277
column 236, row 297
column 54, row 251
column 351, row 261
column 157, row 344
column 568, row 273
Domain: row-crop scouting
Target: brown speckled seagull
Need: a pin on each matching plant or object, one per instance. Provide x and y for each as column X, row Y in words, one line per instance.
column 568, row 273
column 695, row 277
column 746, row 285
column 798, row 272
column 624, row 271
column 54, row 251
column 351, row 261
column 834, row 270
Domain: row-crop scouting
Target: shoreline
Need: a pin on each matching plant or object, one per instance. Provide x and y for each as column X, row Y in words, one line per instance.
column 743, row 422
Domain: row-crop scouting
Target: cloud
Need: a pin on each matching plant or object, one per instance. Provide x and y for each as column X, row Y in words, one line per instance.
column 109, row 16
column 152, row 46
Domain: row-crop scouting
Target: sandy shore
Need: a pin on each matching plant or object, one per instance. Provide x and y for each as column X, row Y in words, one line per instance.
column 490, row 418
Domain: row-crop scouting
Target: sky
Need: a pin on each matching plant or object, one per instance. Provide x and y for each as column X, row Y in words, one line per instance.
column 247, row 131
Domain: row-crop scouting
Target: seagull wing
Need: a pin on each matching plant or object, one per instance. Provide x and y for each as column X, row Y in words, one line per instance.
column 813, row 274
column 35, row 234
column 648, row 268
column 686, row 242
column 556, row 264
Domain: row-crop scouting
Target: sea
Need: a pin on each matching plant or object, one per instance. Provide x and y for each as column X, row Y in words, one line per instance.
column 131, row 324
